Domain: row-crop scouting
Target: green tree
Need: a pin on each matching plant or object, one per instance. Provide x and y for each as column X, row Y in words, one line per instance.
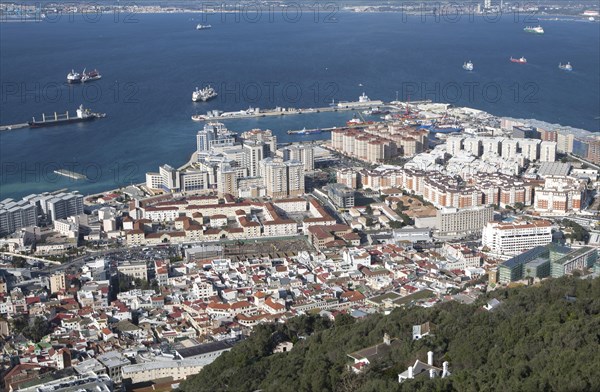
column 396, row 224
column 523, row 345
column 343, row 319
column 34, row 329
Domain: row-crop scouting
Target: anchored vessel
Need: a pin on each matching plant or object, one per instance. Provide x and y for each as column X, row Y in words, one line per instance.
column 522, row 60
column 565, row 67
column 203, row 94
column 357, row 121
column 90, row 76
column 468, row 66
column 376, row 112
column 73, row 77
column 534, row 30
column 363, row 102
column 304, row 131
column 62, row 119
column 200, row 26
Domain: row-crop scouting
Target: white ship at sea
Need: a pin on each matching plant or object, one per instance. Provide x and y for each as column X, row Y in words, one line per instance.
column 565, row 67
column 203, row 94
column 200, row 26
column 534, row 30
column 73, row 77
column 468, row 66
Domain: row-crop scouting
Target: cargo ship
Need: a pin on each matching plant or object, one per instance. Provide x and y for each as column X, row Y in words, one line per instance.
column 82, row 115
column 534, row 30
column 521, row 60
column 90, row 76
column 565, row 67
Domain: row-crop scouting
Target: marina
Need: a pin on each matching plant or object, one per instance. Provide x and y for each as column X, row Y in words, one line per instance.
column 304, row 131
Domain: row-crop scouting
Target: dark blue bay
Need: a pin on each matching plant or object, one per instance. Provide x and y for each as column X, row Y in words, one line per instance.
column 151, row 67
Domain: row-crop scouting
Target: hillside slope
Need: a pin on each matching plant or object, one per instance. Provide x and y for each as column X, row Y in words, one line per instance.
column 540, row 338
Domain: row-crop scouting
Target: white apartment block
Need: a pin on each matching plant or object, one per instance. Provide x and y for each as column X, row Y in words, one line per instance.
column 547, row 151
column 63, row 205
column 161, row 214
column 253, row 154
column 560, row 195
column 454, row 145
column 530, row 148
column 455, row 221
column 15, row 215
column 491, row 145
column 282, row 179
column 564, row 142
column 300, row 152
column 194, row 180
column 170, row 177
column 509, row 148
column 473, row 146
column 153, row 180
column 510, row 239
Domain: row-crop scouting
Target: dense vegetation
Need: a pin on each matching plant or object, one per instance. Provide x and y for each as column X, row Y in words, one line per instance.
column 540, row 338
column 575, row 231
column 32, row 328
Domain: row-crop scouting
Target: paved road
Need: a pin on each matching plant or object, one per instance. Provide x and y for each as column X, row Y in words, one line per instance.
column 80, row 260
column 31, row 258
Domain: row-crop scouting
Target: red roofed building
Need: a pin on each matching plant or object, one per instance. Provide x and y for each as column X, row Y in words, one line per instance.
column 23, row 373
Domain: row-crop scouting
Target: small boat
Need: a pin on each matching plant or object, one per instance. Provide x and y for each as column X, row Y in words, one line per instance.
column 200, row 26
column 305, row 131
column 357, row 121
column 199, row 117
column 521, row 60
column 565, row 67
column 468, row 66
column 376, row 112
